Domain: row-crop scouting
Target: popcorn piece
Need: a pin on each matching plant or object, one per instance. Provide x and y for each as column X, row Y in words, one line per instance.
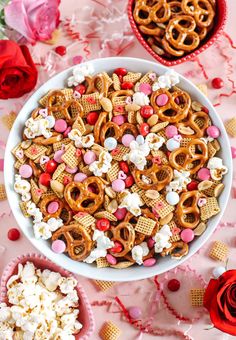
column 180, row 181
column 132, row 202
column 217, row 169
column 141, row 99
column 102, row 165
column 103, row 243
column 154, row 141
column 162, row 238
column 79, row 74
column 169, row 79
column 139, row 251
column 137, row 155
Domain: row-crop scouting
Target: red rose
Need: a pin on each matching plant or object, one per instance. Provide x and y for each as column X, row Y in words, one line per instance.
column 220, row 301
column 18, row 73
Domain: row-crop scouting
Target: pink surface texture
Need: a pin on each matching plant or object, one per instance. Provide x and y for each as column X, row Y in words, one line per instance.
column 105, row 31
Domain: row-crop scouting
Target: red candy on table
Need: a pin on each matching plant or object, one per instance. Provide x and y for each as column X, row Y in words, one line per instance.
column 193, row 185
column 61, row 50
column 173, row 285
column 103, row 224
column 129, row 181
column 144, row 129
column 117, row 247
column 128, row 85
column 51, row 166
column 92, row 117
column 13, row 234
column 121, row 71
column 146, row 111
column 80, row 88
column 124, row 166
column 45, row 179
column 217, row 83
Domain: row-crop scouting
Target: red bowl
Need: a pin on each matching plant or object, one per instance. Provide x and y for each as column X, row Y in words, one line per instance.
column 220, row 19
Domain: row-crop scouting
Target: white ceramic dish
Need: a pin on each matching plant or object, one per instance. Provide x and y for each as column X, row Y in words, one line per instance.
column 88, row 270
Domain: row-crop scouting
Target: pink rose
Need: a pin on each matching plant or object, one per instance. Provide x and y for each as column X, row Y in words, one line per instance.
column 34, row 19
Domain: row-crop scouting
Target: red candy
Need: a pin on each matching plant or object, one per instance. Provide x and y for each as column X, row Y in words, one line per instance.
column 13, row 234
column 45, row 179
column 117, row 247
column 173, row 285
column 129, row 181
column 124, row 167
column 193, row 185
column 146, row 111
column 61, row 50
column 121, row 71
column 103, row 224
column 51, row 166
column 144, row 129
column 66, row 180
column 92, row 117
column 127, row 85
column 80, row 88
column 217, row 83
column 205, row 109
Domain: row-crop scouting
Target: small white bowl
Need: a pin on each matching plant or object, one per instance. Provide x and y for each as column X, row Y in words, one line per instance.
column 88, row 270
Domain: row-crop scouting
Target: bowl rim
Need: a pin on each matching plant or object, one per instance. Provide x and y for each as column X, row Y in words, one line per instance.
column 99, row 273
column 223, row 14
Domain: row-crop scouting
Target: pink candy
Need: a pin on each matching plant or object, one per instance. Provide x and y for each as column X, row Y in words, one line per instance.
column 204, row 174
column 52, row 207
column 80, row 177
column 233, row 151
column 25, row 171
column 187, row 235
column 118, row 185
column 162, row 99
column 70, row 170
column 119, row 120
column 150, row 243
column 121, row 175
column 145, row 88
column 77, row 59
column 1, row 164
column 65, row 134
column 171, row 131
column 111, row 259
column 135, row 312
column 58, row 246
column 127, row 139
column 60, row 125
column 149, row 262
column 213, row 131
column 89, row 157
column 57, row 156
column 120, row 213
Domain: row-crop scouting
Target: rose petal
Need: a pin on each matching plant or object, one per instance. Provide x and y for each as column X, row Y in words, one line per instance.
column 219, row 321
column 210, row 292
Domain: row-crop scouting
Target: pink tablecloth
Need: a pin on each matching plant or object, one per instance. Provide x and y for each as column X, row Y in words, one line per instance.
column 103, row 26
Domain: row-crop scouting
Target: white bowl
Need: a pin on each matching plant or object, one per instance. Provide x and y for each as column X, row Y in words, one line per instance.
column 88, row 270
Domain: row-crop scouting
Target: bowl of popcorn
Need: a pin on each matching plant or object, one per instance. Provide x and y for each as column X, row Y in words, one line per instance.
column 177, row 31
column 40, row 300
column 118, row 163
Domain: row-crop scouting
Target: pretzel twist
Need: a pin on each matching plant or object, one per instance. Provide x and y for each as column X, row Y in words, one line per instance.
column 177, row 250
column 77, row 239
column 199, row 131
column 201, row 10
column 80, row 198
column 172, row 112
column 125, row 234
column 44, row 204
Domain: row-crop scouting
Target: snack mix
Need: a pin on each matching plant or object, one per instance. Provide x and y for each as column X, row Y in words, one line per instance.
column 174, row 28
column 119, row 168
column 43, row 305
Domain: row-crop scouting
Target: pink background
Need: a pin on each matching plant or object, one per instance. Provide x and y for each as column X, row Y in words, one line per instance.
column 218, row 61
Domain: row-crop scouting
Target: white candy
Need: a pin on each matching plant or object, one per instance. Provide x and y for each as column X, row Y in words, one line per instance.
column 172, row 198
column 110, row 143
column 218, row 271
column 140, row 139
column 172, row 144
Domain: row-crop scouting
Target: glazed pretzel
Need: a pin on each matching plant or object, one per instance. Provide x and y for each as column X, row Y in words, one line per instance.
column 44, row 204
column 66, row 214
column 192, row 121
column 117, row 131
column 184, row 25
column 125, row 234
column 77, row 239
column 187, row 207
column 177, row 250
column 192, row 161
column 97, row 127
column 152, row 29
column 120, row 93
column 159, row 175
column 158, row 12
column 175, row 8
column 169, row 49
column 178, row 111
column 201, row 10
column 78, row 203
column 56, row 137
column 93, row 83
